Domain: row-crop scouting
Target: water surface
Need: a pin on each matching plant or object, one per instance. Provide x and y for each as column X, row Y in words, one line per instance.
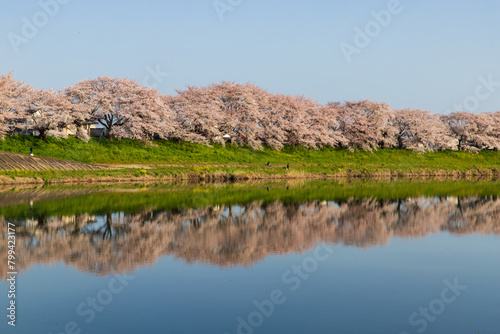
column 318, row 257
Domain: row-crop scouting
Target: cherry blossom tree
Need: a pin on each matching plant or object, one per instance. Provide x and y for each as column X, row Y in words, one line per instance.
column 123, row 107
column 471, row 131
column 11, row 98
column 419, row 130
column 80, row 115
column 365, row 124
column 149, row 116
column 198, row 115
column 494, row 131
column 273, row 120
column 207, row 114
column 286, row 121
column 330, row 118
column 48, row 112
column 299, row 121
column 241, row 108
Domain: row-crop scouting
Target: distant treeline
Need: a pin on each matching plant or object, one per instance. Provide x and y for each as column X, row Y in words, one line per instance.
column 242, row 114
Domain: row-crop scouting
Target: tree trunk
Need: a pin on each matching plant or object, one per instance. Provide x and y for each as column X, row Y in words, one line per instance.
column 108, row 230
column 109, row 135
column 400, row 142
column 43, row 134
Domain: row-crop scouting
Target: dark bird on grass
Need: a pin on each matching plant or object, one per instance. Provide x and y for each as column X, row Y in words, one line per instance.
column 267, row 188
column 287, row 187
column 287, row 166
column 269, row 163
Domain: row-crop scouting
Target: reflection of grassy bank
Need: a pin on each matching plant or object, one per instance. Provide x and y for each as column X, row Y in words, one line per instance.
column 172, row 197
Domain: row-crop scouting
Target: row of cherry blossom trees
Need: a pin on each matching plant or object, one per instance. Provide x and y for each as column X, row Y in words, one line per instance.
column 243, row 114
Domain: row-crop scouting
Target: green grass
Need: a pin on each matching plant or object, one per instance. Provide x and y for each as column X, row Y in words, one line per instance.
column 168, row 173
column 126, row 151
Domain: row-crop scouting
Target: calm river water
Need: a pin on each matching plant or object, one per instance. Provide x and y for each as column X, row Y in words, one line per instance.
column 305, row 257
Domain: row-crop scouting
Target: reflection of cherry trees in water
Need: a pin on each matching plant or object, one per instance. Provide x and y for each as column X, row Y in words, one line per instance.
column 106, row 231
column 242, row 235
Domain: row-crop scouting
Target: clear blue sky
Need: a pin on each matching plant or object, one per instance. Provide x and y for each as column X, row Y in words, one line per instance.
column 429, row 56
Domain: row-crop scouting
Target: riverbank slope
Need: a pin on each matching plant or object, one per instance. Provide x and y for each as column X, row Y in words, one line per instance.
column 133, row 161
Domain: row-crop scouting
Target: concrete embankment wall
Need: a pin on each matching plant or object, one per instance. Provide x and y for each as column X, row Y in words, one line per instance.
column 11, row 161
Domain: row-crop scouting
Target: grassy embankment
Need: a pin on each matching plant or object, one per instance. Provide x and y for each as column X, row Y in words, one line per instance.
column 164, row 160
